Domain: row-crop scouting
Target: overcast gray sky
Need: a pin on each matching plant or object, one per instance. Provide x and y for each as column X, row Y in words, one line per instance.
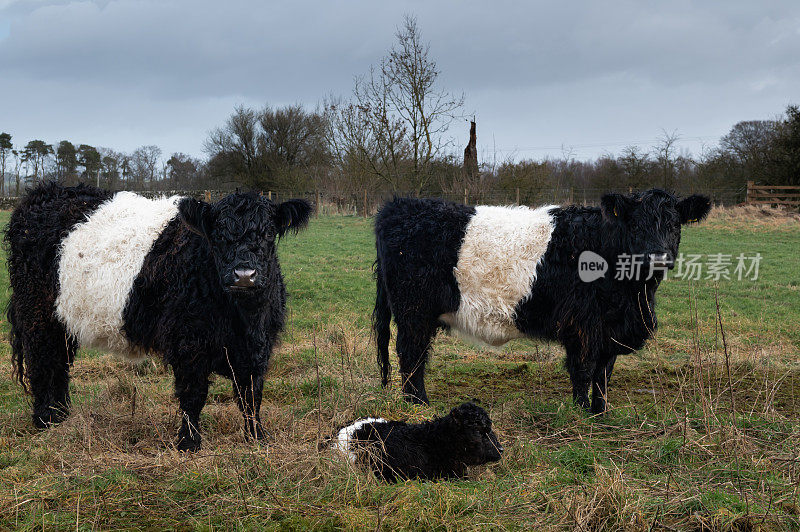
column 590, row 76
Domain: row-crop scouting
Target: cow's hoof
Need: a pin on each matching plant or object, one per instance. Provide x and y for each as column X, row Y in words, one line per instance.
column 187, row 445
column 188, row 441
column 51, row 416
column 41, row 422
column 255, row 432
column 598, row 409
column 583, row 402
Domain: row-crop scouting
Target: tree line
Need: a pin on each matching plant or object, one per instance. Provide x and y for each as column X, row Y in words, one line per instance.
column 393, row 134
column 143, row 169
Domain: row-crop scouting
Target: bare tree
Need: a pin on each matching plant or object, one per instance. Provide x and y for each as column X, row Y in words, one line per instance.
column 352, row 147
column 182, row 170
column 527, row 176
column 269, row 147
column 751, row 143
column 786, row 158
column 665, row 155
column 110, row 168
column 145, row 164
column 635, row 166
column 400, row 115
column 292, row 144
column 234, row 146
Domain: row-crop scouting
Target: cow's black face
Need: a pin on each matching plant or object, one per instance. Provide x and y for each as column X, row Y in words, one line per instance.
column 648, row 224
column 477, row 444
column 241, row 230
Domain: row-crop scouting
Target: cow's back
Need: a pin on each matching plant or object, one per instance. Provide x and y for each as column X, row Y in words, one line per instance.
column 98, row 262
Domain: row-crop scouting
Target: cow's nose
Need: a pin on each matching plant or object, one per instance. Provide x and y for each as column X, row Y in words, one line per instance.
column 245, row 278
column 662, row 260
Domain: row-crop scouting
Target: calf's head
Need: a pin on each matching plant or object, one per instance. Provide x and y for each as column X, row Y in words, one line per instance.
column 474, row 442
column 241, row 230
column 649, row 223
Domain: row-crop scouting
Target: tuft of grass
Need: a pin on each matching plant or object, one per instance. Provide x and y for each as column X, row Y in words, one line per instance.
column 576, row 459
column 667, row 450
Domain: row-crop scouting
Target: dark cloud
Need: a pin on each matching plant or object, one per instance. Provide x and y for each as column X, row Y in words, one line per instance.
column 595, row 75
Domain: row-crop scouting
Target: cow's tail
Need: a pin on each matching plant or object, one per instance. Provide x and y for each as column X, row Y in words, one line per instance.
column 381, row 319
column 17, row 353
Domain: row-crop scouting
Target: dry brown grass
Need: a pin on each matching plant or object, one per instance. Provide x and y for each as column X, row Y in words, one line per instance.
column 112, row 463
column 752, row 218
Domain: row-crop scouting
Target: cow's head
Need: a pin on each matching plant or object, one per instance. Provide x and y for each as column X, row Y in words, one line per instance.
column 475, row 442
column 649, row 223
column 241, row 230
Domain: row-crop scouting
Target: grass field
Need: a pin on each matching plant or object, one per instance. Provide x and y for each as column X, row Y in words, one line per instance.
column 687, row 443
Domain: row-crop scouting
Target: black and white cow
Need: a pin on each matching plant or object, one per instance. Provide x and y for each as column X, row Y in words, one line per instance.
column 198, row 284
column 497, row 273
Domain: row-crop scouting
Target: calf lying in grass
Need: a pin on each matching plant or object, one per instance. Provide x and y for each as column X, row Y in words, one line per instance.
column 440, row 448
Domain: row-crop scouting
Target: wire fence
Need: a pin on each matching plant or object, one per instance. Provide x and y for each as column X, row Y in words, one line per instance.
column 367, row 203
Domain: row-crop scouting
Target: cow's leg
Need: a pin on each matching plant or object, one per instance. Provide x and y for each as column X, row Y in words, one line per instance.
column 602, row 374
column 191, row 388
column 413, row 344
column 48, row 352
column 249, row 389
column 580, row 365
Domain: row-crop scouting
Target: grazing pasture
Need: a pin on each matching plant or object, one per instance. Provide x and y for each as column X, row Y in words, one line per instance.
column 702, row 430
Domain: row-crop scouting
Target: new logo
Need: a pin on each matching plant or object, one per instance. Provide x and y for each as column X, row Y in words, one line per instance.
column 591, row 266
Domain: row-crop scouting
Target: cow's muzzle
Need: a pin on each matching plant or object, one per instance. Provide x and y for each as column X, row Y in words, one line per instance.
column 662, row 260
column 244, row 278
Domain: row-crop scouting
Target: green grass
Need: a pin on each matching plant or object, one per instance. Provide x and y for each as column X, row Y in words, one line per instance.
column 672, row 452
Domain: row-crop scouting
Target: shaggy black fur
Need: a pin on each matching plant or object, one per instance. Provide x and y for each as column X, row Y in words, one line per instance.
column 42, row 351
column 182, row 304
column 417, row 243
column 437, row 449
column 594, row 321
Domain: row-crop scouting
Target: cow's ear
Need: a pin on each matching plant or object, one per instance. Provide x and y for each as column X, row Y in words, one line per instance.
column 197, row 216
column 292, row 215
column 457, row 414
column 464, row 414
column 616, row 207
column 694, row 208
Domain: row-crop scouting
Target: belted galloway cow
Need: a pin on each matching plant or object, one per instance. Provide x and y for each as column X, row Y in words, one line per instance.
column 497, row 273
column 197, row 284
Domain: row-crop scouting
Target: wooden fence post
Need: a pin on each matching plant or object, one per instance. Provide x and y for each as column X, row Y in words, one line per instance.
column 269, row 195
column 517, row 195
column 749, row 195
column 465, row 196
